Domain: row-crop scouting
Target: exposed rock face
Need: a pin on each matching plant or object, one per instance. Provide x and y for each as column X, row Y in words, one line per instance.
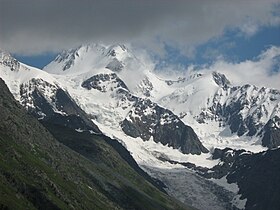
column 237, row 112
column 145, row 87
column 49, row 102
column 220, row 79
column 115, row 65
column 171, row 82
column 148, row 120
column 112, row 49
column 271, row 135
column 68, row 57
column 7, row 60
column 103, row 82
column 258, row 178
column 228, row 157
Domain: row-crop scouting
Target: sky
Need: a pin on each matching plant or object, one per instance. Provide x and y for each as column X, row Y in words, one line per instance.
column 175, row 34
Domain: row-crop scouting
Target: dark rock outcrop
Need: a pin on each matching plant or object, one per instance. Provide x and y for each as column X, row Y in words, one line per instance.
column 258, row 179
column 7, row 60
column 48, row 102
column 233, row 112
column 115, row 65
column 68, row 58
column 220, row 79
column 148, row 120
column 271, row 133
column 145, row 87
column 257, row 175
column 104, row 82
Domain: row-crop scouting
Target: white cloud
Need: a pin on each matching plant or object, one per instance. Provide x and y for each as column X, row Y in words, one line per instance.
column 36, row 26
column 249, row 28
column 264, row 71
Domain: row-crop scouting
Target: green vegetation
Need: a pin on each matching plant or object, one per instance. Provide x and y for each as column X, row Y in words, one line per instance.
column 65, row 169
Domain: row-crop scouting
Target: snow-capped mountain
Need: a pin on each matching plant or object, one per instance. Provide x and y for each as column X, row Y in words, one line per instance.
column 215, row 107
column 98, row 58
column 117, row 103
column 222, row 114
column 162, row 122
column 42, row 95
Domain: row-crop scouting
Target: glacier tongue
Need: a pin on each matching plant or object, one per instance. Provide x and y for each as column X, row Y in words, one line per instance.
column 182, row 183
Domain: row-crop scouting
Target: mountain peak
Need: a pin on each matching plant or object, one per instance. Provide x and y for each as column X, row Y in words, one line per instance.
column 116, row 48
column 94, row 57
column 220, row 79
column 7, row 59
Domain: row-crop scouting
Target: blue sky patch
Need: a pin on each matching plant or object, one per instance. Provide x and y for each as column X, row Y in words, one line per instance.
column 232, row 46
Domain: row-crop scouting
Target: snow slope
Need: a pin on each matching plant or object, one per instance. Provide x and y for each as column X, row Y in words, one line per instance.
column 15, row 73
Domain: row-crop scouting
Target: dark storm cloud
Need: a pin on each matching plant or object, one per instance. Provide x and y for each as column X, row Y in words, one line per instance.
column 36, row 26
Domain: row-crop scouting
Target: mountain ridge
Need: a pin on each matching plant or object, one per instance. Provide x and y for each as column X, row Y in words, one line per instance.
column 206, row 97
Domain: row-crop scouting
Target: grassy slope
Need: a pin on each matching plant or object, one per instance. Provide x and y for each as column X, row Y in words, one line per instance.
column 38, row 172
